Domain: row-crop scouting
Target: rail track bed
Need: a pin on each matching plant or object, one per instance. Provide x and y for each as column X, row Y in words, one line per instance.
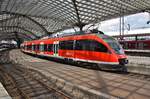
column 22, row 85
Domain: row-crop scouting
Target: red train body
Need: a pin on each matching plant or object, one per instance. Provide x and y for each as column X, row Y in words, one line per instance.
column 93, row 48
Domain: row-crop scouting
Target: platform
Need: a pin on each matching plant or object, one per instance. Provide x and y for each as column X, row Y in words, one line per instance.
column 106, row 84
column 3, row 93
column 145, row 53
column 139, row 64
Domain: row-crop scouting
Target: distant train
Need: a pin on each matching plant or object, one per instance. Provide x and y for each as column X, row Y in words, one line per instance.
column 92, row 48
column 136, row 44
column 135, row 41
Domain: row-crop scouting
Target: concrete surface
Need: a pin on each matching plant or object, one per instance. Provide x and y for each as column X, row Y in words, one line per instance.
column 139, row 64
column 107, row 84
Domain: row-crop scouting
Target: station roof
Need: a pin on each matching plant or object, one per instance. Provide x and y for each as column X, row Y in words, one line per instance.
column 32, row 19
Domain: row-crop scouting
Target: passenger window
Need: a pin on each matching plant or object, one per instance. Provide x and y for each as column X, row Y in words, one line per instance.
column 37, row 47
column 90, row 45
column 29, row 47
column 50, row 47
column 99, row 47
column 66, row 45
column 78, row 45
column 45, row 47
column 33, row 47
column 41, row 47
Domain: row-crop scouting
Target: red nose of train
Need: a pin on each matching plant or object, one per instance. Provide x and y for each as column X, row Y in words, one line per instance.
column 122, row 58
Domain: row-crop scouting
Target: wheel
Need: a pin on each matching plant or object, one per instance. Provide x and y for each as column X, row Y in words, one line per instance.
column 124, row 69
column 99, row 66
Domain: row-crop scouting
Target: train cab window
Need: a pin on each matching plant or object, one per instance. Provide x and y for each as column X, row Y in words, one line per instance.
column 66, row 45
column 50, row 47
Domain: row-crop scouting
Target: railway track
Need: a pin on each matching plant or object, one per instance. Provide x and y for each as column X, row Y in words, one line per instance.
column 21, row 85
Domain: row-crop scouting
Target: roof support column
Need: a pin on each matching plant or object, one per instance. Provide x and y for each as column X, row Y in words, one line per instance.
column 148, row 22
column 18, row 40
column 121, row 22
column 79, row 24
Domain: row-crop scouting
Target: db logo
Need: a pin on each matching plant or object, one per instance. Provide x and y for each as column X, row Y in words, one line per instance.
column 68, row 53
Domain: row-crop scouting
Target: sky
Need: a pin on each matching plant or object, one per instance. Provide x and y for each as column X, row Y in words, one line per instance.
column 136, row 21
column 138, row 24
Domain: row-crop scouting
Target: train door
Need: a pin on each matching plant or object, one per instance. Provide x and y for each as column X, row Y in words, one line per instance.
column 55, row 48
column 25, row 47
column 32, row 47
column 74, row 46
column 42, row 48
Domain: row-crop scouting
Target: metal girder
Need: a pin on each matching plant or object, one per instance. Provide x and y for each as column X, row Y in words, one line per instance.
column 7, row 33
column 55, row 15
column 19, row 21
column 10, row 36
column 77, row 14
column 12, row 33
column 25, row 16
column 21, row 29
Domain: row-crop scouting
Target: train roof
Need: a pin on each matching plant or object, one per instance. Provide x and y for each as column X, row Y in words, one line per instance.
column 98, row 33
column 94, row 31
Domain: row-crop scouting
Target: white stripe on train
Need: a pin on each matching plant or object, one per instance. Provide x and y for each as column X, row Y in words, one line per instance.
column 75, row 59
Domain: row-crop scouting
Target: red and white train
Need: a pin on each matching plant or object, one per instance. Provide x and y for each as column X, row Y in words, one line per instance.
column 93, row 48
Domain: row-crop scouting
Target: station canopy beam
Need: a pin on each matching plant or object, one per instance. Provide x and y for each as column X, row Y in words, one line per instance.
column 12, row 34
column 42, row 17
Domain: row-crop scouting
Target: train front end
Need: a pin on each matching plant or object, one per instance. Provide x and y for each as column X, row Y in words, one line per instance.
column 116, row 49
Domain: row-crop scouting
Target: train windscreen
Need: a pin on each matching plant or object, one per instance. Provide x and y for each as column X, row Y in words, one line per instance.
column 113, row 44
column 117, row 47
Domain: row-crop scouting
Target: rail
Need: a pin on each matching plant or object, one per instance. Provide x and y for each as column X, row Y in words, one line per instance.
column 27, row 86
